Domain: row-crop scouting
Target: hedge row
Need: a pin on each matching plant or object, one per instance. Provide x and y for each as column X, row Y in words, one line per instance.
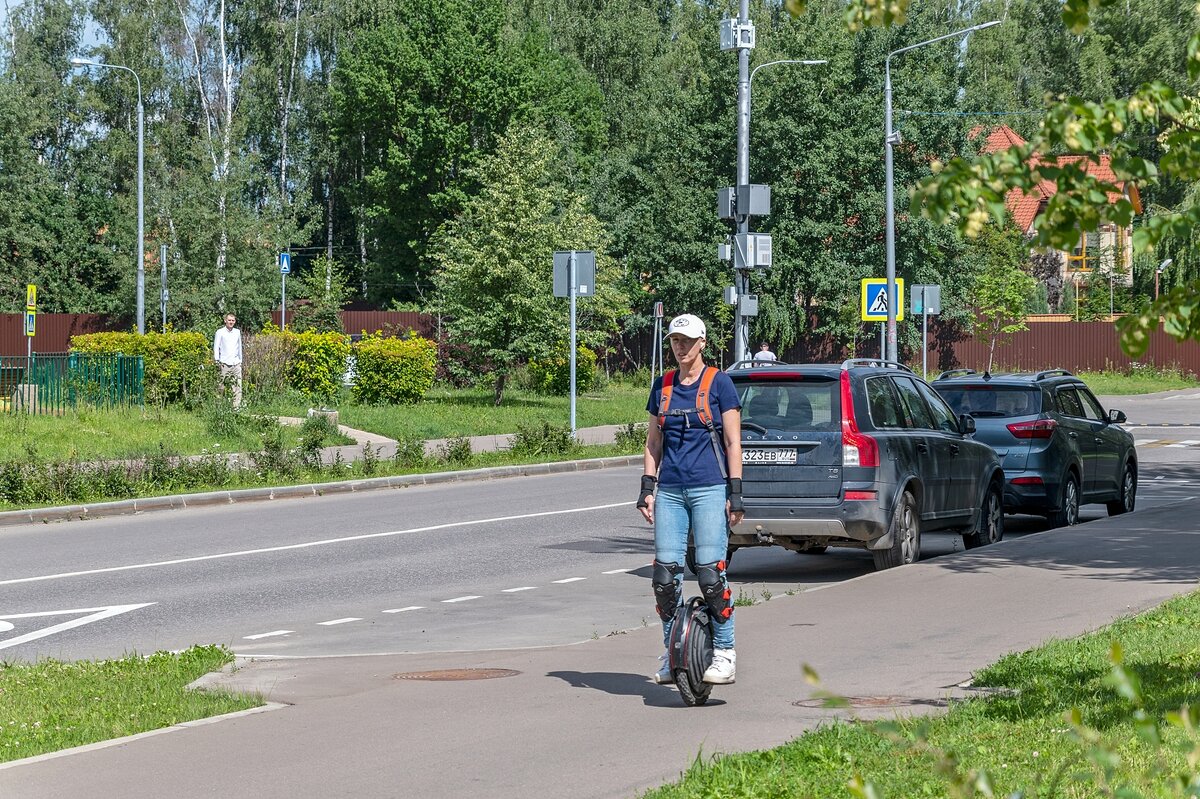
column 173, row 362
column 387, row 370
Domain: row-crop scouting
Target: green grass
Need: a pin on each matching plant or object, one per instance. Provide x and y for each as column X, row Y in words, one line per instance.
column 49, row 705
column 1020, row 738
column 446, row 412
column 248, row 478
column 121, row 433
column 1138, row 381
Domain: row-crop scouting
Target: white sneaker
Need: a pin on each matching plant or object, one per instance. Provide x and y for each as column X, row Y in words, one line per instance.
column 723, row 668
column 664, row 676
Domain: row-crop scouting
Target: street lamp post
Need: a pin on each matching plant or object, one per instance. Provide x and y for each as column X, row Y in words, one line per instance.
column 141, row 258
column 1158, row 272
column 892, row 138
column 741, row 331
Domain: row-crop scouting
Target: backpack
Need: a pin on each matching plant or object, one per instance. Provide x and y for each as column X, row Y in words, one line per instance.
column 703, row 409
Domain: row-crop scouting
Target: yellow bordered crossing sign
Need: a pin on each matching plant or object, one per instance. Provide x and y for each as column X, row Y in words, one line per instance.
column 31, row 296
column 875, row 300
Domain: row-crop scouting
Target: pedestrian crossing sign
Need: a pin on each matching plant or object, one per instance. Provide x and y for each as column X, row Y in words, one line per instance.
column 875, row 300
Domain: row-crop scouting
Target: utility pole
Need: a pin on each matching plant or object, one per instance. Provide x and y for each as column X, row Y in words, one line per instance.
column 741, row 273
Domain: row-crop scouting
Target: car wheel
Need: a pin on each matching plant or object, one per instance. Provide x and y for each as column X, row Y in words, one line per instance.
column 1128, row 498
column 991, row 521
column 1068, row 513
column 906, row 536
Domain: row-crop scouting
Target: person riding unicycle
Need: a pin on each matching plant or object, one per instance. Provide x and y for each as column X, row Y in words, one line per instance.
column 694, row 457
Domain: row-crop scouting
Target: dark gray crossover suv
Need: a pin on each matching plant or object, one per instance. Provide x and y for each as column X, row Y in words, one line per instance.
column 1059, row 448
column 859, row 454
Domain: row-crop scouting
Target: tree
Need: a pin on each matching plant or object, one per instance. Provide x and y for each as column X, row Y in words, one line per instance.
column 493, row 263
column 1002, row 287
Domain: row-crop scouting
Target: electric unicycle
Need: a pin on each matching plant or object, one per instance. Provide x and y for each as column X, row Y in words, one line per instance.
column 691, row 650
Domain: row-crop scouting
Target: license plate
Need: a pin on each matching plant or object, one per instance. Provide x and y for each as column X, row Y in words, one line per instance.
column 780, row 455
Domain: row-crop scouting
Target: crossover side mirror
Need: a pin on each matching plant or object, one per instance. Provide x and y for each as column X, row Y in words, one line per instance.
column 966, row 424
column 1115, row 416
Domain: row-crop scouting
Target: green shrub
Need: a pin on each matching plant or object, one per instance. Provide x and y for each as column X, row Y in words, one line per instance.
column 553, row 375
column 174, row 362
column 317, row 361
column 456, row 451
column 546, row 439
column 410, row 453
column 393, row 370
column 631, row 437
column 266, row 365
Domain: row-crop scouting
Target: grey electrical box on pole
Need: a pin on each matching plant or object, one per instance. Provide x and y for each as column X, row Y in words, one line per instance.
column 574, row 276
column 925, row 300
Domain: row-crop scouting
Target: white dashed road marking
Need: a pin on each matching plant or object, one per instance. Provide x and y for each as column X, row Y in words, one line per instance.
column 461, row 599
column 93, row 615
column 267, row 635
column 618, row 571
column 307, row 544
column 571, row 580
column 338, row 621
column 405, row 610
column 522, row 588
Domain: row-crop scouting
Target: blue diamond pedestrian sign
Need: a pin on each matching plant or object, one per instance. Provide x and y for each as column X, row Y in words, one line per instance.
column 875, row 300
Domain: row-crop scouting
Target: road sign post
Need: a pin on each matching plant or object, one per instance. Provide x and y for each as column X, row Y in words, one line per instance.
column 657, row 354
column 30, row 318
column 574, row 275
column 926, row 300
column 285, row 268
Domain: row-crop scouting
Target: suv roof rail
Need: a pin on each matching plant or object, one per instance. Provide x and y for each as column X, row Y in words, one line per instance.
column 949, row 373
column 851, row 362
column 1052, row 373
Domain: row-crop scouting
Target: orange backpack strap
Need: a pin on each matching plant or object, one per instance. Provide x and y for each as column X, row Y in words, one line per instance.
column 664, row 400
column 702, row 406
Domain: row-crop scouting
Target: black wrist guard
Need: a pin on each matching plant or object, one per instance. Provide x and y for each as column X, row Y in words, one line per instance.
column 734, row 491
column 648, row 483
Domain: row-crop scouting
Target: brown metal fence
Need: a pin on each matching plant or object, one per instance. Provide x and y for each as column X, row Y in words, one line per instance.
column 54, row 331
column 1070, row 345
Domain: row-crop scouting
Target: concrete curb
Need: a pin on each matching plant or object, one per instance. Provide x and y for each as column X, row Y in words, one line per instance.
column 127, row 506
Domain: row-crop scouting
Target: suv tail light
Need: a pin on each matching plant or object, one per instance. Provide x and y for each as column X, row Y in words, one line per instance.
column 858, row 449
column 1038, row 428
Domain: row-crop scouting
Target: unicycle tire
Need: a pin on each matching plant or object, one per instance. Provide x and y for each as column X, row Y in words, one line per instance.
column 691, row 651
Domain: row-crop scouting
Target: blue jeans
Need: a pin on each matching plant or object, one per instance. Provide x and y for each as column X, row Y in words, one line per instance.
column 701, row 510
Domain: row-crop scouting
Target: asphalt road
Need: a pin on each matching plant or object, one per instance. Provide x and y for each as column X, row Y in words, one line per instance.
column 521, row 562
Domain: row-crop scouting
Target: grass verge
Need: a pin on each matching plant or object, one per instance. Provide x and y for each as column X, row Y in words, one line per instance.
column 1139, row 381
column 193, row 480
column 1022, row 742
column 121, row 433
column 49, row 706
column 447, row 412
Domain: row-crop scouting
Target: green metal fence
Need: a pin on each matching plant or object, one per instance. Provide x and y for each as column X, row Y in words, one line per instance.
column 52, row 383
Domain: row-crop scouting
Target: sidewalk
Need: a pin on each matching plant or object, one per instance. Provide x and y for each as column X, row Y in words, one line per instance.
column 585, row 721
column 386, row 447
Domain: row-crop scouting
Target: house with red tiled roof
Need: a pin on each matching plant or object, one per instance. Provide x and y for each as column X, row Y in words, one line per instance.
column 1108, row 250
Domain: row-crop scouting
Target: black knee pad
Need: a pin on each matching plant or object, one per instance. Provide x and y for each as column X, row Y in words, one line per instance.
column 667, row 590
column 711, row 577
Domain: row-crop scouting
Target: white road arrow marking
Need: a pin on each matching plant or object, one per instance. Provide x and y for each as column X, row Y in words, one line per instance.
column 93, row 614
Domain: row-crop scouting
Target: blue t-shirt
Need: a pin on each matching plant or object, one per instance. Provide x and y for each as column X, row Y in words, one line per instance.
column 688, row 460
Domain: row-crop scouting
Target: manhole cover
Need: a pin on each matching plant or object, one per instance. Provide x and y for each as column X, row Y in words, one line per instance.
column 872, row 701
column 452, row 675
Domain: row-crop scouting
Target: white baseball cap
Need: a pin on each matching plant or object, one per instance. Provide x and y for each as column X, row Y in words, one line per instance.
column 687, row 325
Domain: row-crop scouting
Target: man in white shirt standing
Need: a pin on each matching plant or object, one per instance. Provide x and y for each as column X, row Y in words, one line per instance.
column 764, row 354
column 227, row 352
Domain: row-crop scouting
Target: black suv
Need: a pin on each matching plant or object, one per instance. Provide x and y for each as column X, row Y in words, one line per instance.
column 860, row 454
column 1058, row 446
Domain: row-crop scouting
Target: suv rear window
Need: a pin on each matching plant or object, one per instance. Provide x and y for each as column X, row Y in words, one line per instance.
column 992, row 401
column 806, row 404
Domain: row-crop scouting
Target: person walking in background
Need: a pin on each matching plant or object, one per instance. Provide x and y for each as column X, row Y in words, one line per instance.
column 694, row 457
column 764, row 353
column 227, row 352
